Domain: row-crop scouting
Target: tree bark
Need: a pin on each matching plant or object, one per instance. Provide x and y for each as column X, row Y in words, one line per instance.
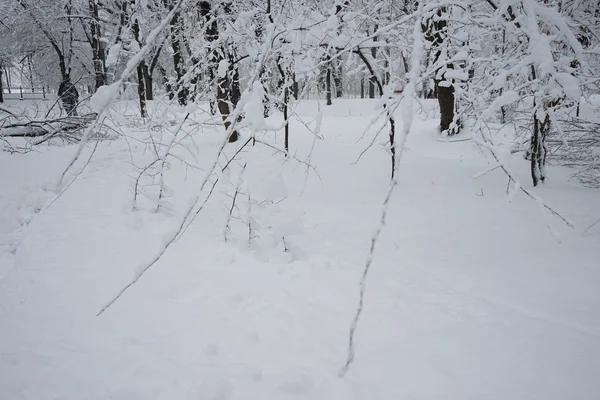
column 538, row 150
column 286, row 97
column 328, row 83
column 223, row 95
column 295, row 87
column 228, row 86
column 337, row 79
column 436, row 32
column 96, row 44
column 373, row 78
column 1, row 86
column 362, row 87
column 140, row 71
column 178, row 61
column 445, row 96
column 148, row 82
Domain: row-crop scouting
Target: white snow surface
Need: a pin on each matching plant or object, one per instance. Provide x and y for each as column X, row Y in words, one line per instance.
column 469, row 296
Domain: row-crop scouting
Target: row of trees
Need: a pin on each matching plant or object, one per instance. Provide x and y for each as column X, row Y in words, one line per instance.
column 484, row 58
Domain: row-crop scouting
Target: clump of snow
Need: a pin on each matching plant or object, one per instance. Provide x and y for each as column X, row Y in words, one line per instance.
column 253, row 107
column 223, row 68
column 113, row 54
column 103, row 97
column 570, row 85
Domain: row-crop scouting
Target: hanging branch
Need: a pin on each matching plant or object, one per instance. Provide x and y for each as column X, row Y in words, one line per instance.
column 408, row 119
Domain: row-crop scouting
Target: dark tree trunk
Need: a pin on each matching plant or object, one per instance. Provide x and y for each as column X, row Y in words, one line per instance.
column 228, row 86
column 149, row 72
column 362, row 87
column 178, row 61
column 8, row 79
column 286, row 97
column 538, row 149
column 373, row 78
column 212, row 103
column 264, row 76
column 234, row 82
column 328, row 84
column 140, row 71
column 148, row 82
column 142, row 89
column 295, row 87
column 266, row 103
column 445, row 96
column 371, row 87
column 436, row 32
column 1, row 85
column 388, row 53
column 97, row 52
column 337, row 79
column 212, row 34
column 223, row 95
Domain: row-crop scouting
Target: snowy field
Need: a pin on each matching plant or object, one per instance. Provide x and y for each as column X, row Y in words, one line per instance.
column 470, row 295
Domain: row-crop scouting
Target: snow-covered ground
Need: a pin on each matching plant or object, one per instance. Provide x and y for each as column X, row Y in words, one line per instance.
column 470, row 296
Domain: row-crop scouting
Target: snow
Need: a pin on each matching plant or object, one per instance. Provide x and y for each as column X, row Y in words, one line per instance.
column 469, row 295
column 222, row 68
column 254, row 109
column 113, row 54
column 103, row 97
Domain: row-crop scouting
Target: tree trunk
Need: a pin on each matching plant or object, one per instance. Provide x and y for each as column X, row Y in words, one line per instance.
column 435, row 31
column 1, row 86
column 148, row 82
column 538, row 149
column 388, row 53
column 211, row 102
column 140, row 71
column 228, row 86
column 142, row 89
column 295, row 87
column 266, row 103
column 286, row 97
column 445, row 96
column 178, row 62
column 211, row 34
column 362, row 87
column 223, row 95
column 96, row 45
column 328, row 83
column 372, row 78
column 8, row 79
column 234, row 72
column 337, row 79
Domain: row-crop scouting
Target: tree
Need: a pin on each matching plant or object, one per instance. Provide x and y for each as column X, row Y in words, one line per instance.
column 437, row 34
